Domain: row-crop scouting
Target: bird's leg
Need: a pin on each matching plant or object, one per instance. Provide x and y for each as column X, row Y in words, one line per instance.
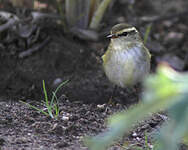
column 137, row 91
column 112, row 95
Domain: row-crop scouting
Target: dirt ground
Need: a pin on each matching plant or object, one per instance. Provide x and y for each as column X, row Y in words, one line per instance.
column 84, row 100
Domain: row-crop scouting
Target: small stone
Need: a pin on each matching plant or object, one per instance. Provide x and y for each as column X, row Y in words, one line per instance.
column 150, row 146
column 134, row 134
column 172, row 37
column 65, row 118
column 57, row 81
column 101, row 106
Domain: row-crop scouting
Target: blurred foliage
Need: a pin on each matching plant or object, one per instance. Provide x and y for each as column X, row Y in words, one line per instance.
column 77, row 12
column 81, row 14
column 97, row 17
column 165, row 90
column 84, row 13
column 22, row 3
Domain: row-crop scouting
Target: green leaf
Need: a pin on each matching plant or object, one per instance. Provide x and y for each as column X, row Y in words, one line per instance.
column 163, row 91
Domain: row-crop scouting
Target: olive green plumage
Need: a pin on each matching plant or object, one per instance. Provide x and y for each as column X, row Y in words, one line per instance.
column 127, row 60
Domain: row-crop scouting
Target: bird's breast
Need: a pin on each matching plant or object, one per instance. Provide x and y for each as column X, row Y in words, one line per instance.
column 125, row 65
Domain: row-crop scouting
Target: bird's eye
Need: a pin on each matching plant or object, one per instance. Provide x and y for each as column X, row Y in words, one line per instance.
column 123, row 34
column 132, row 32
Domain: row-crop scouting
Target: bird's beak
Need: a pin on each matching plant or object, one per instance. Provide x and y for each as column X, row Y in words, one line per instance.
column 112, row 36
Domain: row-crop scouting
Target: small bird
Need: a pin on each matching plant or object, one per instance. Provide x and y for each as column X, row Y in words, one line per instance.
column 126, row 61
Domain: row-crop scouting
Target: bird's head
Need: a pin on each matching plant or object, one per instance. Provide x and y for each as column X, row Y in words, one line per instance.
column 124, row 32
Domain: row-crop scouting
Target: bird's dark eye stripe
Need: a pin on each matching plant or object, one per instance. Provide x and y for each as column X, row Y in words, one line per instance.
column 132, row 32
column 123, row 34
column 126, row 33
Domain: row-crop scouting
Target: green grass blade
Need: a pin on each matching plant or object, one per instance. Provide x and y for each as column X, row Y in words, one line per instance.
column 56, row 105
column 57, row 89
column 148, row 30
column 46, row 100
column 31, row 106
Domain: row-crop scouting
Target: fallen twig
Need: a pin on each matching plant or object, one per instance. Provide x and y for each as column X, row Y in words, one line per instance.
column 34, row 48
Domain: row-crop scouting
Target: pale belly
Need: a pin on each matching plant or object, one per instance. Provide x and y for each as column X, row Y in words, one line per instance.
column 125, row 68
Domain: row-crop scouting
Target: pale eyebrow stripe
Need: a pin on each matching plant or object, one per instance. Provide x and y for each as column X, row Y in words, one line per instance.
column 127, row 32
column 130, row 29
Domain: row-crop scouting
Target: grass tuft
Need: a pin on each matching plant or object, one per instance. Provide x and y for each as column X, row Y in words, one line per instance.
column 52, row 106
